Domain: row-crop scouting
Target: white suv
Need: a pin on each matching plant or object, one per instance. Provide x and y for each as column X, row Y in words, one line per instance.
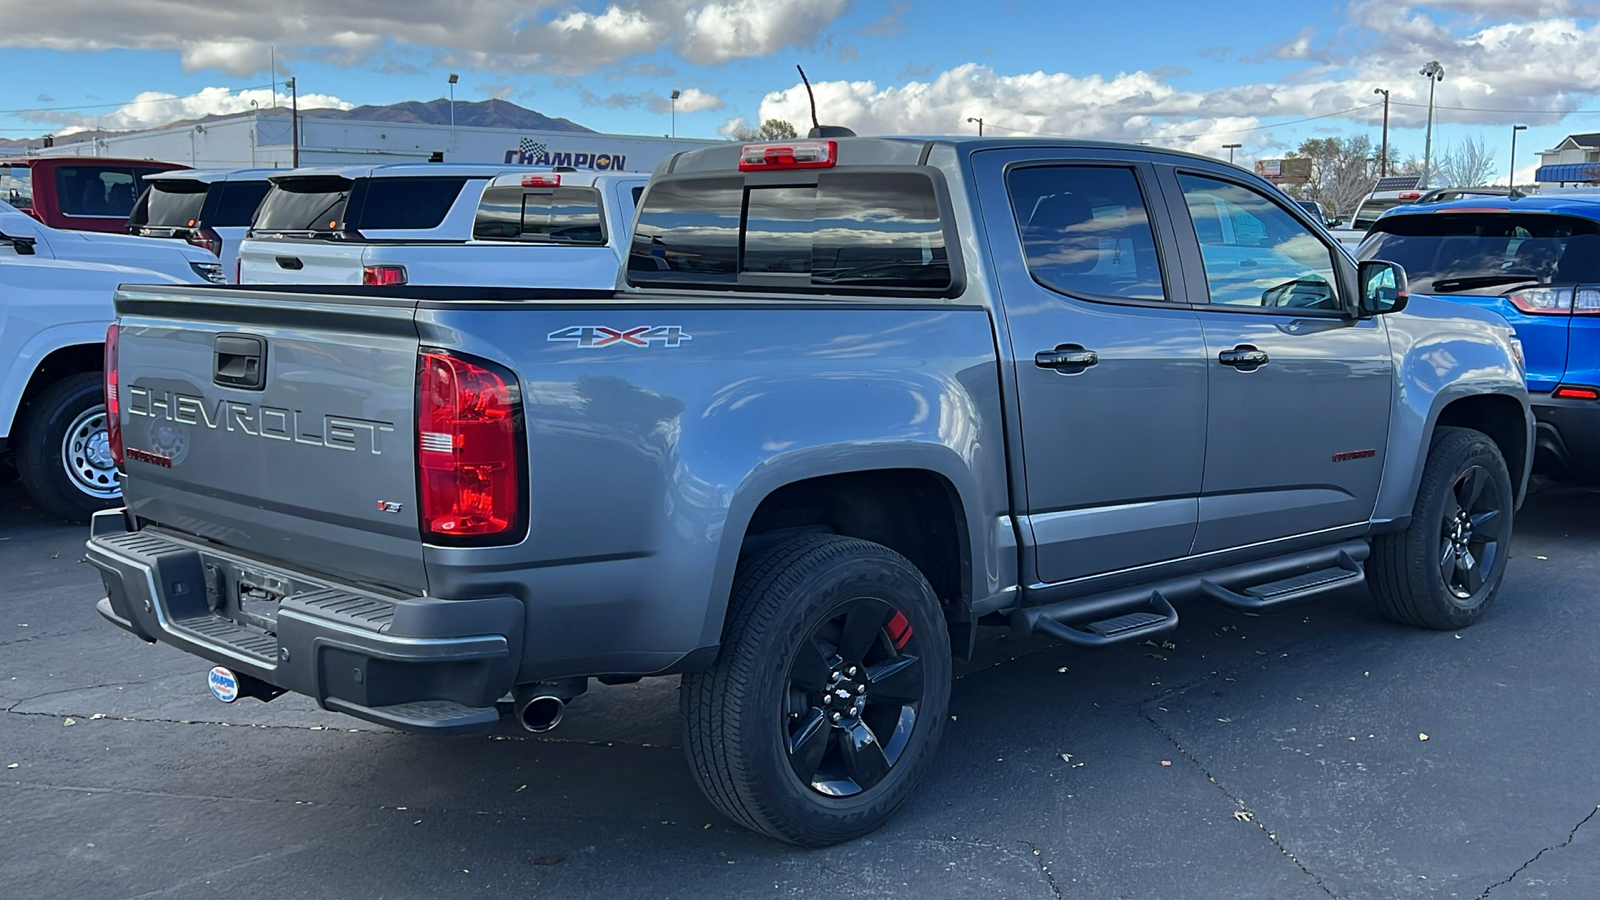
column 208, row 208
column 431, row 224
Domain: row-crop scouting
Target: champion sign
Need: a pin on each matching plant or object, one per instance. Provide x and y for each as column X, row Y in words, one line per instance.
column 224, row 686
column 532, row 154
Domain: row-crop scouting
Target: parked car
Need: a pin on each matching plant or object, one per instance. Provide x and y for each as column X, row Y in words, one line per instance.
column 1315, row 210
column 76, row 193
column 856, row 397
column 1536, row 261
column 55, row 304
column 1391, row 192
column 317, row 225
column 539, row 229
column 210, row 209
column 1441, row 195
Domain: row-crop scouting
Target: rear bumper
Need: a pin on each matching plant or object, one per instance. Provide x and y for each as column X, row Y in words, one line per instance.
column 416, row 663
column 1568, row 437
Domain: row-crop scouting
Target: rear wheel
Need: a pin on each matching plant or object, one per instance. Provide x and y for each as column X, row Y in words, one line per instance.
column 830, row 694
column 1444, row 570
column 63, row 452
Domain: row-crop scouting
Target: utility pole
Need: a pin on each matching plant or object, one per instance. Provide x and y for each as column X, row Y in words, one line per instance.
column 294, row 122
column 1511, row 174
column 675, row 95
column 1383, row 154
column 453, row 79
column 979, row 120
column 1230, row 148
column 1434, row 72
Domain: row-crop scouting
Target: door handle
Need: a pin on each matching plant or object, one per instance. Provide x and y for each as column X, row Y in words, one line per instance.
column 1245, row 358
column 292, row 263
column 1069, row 359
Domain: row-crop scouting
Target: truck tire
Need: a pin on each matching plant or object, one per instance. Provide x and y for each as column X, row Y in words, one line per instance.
column 63, row 455
column 1444, row 570
column 830, row 694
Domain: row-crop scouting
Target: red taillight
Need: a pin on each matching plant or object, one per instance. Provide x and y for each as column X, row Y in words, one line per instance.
column 1410, row 195
column 1542, row 301
column 541, row 181
column 1576, row 392
column 789, row 155
column 469, row 432
column 113, row 400
column 383, row 274
column 207, row 239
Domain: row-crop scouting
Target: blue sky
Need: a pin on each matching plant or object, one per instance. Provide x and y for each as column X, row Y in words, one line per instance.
column 1173, row 73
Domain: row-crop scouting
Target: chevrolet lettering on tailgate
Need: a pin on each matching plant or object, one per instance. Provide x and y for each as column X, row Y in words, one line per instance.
column 269, row 422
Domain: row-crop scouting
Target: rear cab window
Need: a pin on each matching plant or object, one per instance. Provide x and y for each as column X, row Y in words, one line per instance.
column 830, row 230
column 1487, row 251
column 569, row 215
column 100, row 191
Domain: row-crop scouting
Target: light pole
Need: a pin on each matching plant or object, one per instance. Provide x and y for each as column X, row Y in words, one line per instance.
column 1383, row 154
column 294, row 123
column 453, row 79
column 255, row 125
column 198, row 129
column 979, row 120
column 1434, row 72
column 1511, row 175
column 1230, row 148
column 674, row 98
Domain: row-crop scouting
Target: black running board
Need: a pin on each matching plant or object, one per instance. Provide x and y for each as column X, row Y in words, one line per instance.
column 1101, row 625
column 1347, row 572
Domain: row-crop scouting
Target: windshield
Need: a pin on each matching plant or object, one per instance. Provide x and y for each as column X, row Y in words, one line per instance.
column 170, row 204
column 1487, row 252
column 304, row 204
column 16, row 186
column 1369, row 211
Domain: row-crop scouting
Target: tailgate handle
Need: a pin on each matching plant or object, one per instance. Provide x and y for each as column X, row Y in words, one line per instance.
column 241, row 361
column 291, row 263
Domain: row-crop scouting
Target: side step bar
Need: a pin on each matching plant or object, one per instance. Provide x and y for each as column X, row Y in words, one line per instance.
column 1137, row 613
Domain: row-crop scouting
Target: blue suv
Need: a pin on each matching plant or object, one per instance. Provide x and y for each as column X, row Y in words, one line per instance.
column 1536, row 261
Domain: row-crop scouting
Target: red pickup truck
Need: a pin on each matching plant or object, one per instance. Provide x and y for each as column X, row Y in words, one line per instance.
column 81, row 193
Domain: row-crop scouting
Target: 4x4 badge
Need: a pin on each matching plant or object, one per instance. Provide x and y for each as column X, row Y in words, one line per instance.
column 638, row 336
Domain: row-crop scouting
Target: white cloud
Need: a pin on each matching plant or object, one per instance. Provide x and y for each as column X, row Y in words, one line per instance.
column 690, row 100
column 694, row 100
column 154, row 108
column 505, row 35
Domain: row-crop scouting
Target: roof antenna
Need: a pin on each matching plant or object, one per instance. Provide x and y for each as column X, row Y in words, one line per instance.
column 818, row 130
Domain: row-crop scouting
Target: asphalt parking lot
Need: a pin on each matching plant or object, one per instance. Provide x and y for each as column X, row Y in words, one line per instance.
column 1314, row 752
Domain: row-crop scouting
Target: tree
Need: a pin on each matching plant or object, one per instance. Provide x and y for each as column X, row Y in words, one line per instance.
column 1343, row 170
column 1468, row 164
column 770, row 130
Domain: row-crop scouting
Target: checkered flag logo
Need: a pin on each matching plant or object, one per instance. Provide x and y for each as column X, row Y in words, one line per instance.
column 532, row 149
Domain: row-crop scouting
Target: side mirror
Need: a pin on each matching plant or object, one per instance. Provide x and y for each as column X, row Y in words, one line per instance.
column 1383, row 287
column 22, row 245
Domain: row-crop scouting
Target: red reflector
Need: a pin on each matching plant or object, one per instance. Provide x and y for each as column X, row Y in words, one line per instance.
column 383, row 275
column 1570, row 392
column 541, row 181
column 468, row 435
column 789, row 155
column 112, row 398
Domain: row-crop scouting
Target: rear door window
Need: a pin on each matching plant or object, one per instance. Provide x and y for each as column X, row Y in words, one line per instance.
column 845, row 232
column 234, row 203
column 412, row 203
column 1086, row 231
column 106, row 191
column 314, row 204
column 1487, row 252
column 561, row 215
column 170, row 204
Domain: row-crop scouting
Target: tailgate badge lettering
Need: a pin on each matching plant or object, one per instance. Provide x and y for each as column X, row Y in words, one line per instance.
column 224, row 684
column 389, row 506
column 265, row 422
column 590, row 336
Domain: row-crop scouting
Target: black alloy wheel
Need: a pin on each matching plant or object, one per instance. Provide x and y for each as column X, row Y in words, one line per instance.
column 855, row 689
column 1474, row 531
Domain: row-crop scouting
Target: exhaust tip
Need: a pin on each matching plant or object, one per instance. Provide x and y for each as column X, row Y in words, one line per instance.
column 542, row 713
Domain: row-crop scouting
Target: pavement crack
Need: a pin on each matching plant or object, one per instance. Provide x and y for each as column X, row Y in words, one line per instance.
column 1044, row 867
column 1571, row 836
column 1241, row 812
column 71, row 690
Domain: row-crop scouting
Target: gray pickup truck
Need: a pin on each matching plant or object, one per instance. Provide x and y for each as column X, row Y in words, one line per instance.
column 855, row 398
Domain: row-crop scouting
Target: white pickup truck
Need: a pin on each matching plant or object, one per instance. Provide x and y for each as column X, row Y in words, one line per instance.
column 55, row 304
column 438, row 225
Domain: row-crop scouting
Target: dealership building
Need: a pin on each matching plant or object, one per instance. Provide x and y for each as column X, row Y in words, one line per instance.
column 266, row 139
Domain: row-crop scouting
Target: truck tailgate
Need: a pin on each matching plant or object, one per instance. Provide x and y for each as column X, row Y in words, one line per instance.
column 305, row 455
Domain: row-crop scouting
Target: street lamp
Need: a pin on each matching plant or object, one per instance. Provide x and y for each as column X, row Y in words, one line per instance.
column 1230, row 148
column 1511, row 177
column 979, row 120
column 675, row 95
column 294, row 123
column 453, row 79
column 198, row 129
column 1434, row 72
column 1383, row 155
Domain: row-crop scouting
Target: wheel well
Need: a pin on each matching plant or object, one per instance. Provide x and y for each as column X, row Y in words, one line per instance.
column 58, row 365
column 1501, row 418
column 913, row 512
